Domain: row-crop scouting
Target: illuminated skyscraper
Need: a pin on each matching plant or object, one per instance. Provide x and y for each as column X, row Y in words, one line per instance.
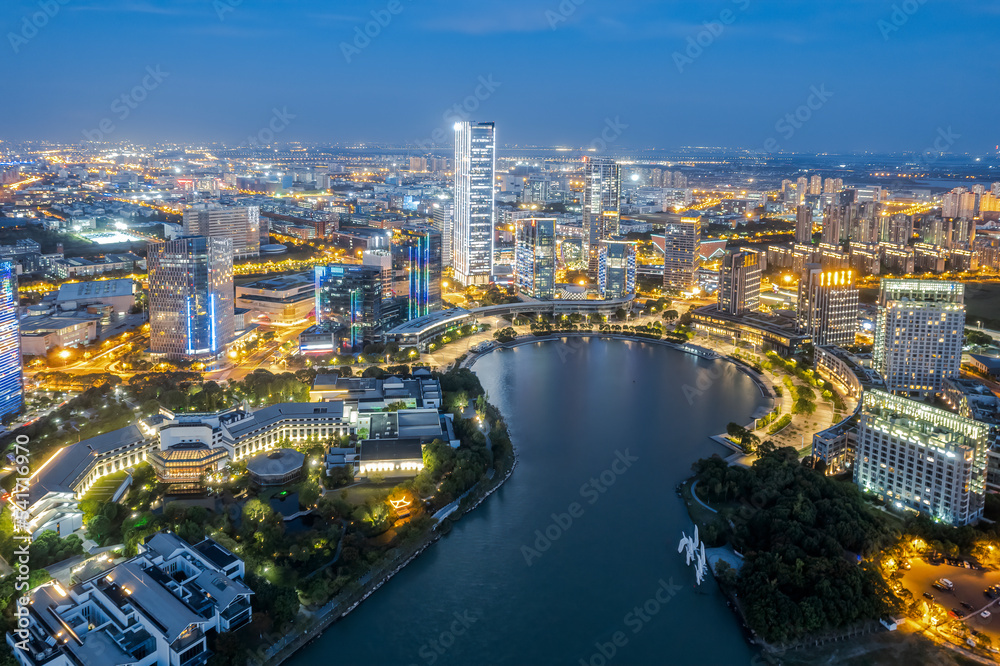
column 535, row 257
column 444, row 222
column 616, row 268
column 350, row 295
column 681, row 248
column 191, row 297
column 828, row 305
column 919, row 334
column 11, row 376
column 475, row 169
column 739, row 282
column 241, row 224
column 602, row 185
column 416, row 266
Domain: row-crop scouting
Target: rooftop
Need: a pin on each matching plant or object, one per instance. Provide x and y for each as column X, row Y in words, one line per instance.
column 76, row 291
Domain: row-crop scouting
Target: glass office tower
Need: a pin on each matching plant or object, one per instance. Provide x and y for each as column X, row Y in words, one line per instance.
column 11, row 376
column 191, row 297
column 475, row 168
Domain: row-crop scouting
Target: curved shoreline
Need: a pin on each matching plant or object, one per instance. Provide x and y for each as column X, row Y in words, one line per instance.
column 308, row 636
column 317, row 631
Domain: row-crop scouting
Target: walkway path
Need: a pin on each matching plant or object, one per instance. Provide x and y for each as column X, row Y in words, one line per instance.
column 698, row 499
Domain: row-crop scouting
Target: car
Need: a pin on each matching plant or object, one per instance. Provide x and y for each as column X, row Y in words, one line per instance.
column 968, row 606
column 954, row 612
column 984, row 614
column 929, row 596
column 937, row 585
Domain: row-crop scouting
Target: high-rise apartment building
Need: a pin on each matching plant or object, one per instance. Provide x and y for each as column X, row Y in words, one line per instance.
column 475, row 169
column 739, row 282
column 681, row 247
column 351, row 296
column 816, row 185
column 960, row 202
column 11, row 369
column 921, row 458
column 416, row 266
column 241, row 224
column 919, row 334
column 191, row 297
column 602, row 186
column 803, row 224
column 828, row 305
column 616, row 268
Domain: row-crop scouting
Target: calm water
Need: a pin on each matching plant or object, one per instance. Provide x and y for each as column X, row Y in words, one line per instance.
column 573, row 409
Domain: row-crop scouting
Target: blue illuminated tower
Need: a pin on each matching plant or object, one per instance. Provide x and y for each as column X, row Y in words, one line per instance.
column 191, row 297
column 11, row 382
column 416, row 266
column 350, row 295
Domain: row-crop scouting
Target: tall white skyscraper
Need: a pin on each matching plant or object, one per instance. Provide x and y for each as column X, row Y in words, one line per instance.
column 919, row 334
column 475, row 170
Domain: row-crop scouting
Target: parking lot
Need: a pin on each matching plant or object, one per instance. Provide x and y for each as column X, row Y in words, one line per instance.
column 969, row 586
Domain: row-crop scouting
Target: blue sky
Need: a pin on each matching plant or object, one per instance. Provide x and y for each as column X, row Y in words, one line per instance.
column 894, row 72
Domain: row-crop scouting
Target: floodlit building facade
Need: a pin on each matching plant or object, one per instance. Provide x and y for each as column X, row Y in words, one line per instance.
column 919, row 334
column 917, row 457
column 475, row 169
column 828, row 305
column 350, row 295
column 416, row 267
column 191, row 297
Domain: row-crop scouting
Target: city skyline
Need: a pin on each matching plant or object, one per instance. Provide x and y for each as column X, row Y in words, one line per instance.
column 693, row 49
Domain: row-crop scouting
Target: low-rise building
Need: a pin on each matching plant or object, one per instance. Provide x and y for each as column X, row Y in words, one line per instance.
column 283, row 300
column 156, row 609
column 767, row 332
column 120, row 294
column 40, row 335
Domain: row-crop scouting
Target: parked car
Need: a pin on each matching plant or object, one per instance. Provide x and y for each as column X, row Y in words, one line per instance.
column 984, row 614
column 968, row 606
column 929, row 596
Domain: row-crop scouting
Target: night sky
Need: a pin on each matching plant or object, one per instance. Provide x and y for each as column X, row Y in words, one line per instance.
column 878, row 78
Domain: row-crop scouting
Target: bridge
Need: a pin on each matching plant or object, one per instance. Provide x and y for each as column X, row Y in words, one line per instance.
column 417, row 332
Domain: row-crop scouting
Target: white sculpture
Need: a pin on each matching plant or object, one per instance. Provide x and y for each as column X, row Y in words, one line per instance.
column 694, row 552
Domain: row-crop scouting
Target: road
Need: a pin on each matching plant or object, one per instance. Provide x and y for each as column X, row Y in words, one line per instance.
column 263, row 357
